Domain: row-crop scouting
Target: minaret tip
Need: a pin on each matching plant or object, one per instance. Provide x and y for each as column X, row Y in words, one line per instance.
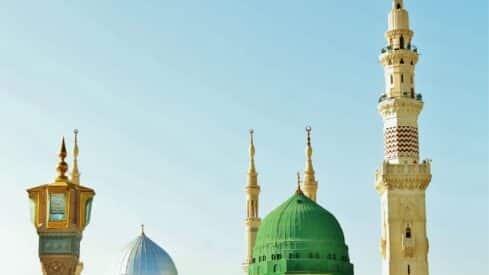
column 75, row 173
column 309, row 149
column 252, row 169
column 142, row 229
column 252, row 144
column 62, row 166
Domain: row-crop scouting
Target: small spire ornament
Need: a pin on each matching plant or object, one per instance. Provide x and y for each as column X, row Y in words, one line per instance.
column 299, row 190
column 62, row 166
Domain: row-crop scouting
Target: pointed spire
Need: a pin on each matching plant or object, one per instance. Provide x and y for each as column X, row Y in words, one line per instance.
column 298, row 191
column 62, row 166
column 309, row 175
column 75, row 173
column 142, row 229
column 252, row 175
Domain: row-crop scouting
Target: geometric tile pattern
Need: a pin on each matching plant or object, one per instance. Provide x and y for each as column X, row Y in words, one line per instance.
column 401, row 141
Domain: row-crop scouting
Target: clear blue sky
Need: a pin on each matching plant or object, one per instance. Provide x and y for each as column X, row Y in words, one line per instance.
column 163, row 93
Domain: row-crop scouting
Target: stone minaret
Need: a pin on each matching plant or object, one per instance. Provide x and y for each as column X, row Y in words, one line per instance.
column 402, row 179
column 309, row 185
column 252, row 221
column 60, row 212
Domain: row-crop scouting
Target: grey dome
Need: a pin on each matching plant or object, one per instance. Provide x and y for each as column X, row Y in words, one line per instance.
column 144, row 257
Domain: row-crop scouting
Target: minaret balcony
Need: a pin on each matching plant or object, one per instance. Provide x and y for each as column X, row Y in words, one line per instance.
column 403, row 176
column 408, row 246
column 389, row 48
column 418, row 96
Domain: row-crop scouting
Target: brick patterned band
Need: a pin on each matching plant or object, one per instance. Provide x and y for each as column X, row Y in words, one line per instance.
column 401, row 141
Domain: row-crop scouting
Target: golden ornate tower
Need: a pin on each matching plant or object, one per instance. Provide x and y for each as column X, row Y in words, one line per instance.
column 309, row 184
column 252, row 221
column 402, row 179
column 60, row 212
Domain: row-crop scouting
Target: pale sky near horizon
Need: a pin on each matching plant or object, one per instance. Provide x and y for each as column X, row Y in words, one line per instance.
column 164, row 92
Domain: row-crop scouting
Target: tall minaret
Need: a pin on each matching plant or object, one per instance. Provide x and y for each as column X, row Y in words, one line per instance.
column 252, row 221
column 402, row 179
column 309, row 185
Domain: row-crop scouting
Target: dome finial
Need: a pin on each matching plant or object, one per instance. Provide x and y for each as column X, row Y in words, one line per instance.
column 75, row 173
column 142, row 229
column 299, row 190
column 62, row 166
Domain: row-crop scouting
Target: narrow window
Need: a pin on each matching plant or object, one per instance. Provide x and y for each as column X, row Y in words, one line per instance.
column 401, row 42
column 392, row 79
column 412, row 92
column 408, row 233
column 409, row 269
column 402, row 78
column 402, row 61
column 398, row 6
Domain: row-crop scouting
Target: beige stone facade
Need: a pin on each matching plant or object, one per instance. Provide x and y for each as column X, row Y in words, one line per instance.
column 402, row 179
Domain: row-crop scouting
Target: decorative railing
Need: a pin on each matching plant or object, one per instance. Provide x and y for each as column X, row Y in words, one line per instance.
column 418, row 96
column 389, row 48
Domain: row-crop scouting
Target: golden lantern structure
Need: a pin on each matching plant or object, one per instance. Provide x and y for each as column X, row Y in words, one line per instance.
column 60, row 212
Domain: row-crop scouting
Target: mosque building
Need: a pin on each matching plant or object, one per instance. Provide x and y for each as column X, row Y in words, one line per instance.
column 299, row 236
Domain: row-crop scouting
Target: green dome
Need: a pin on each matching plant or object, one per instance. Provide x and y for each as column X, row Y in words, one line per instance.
column 300, row 236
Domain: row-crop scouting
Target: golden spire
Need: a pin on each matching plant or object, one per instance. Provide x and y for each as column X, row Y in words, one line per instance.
column 75, row 173
column 309, row 175
column 62, row 166
column 252, row 175
column 298, row 191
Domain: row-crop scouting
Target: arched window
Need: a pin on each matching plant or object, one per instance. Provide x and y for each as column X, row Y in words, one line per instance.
column 402, row 61
column 409, row 269
column 398, row 6
column 408, row 232
column 275, row 268
column 401, row 42
column 402, row 78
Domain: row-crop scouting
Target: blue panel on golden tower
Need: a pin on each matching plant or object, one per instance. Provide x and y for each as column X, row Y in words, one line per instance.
column 145, row 257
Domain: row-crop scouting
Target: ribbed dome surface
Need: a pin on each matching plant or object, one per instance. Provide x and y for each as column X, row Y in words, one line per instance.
column 300, row 237
column 299, row 218
column 144, row 257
